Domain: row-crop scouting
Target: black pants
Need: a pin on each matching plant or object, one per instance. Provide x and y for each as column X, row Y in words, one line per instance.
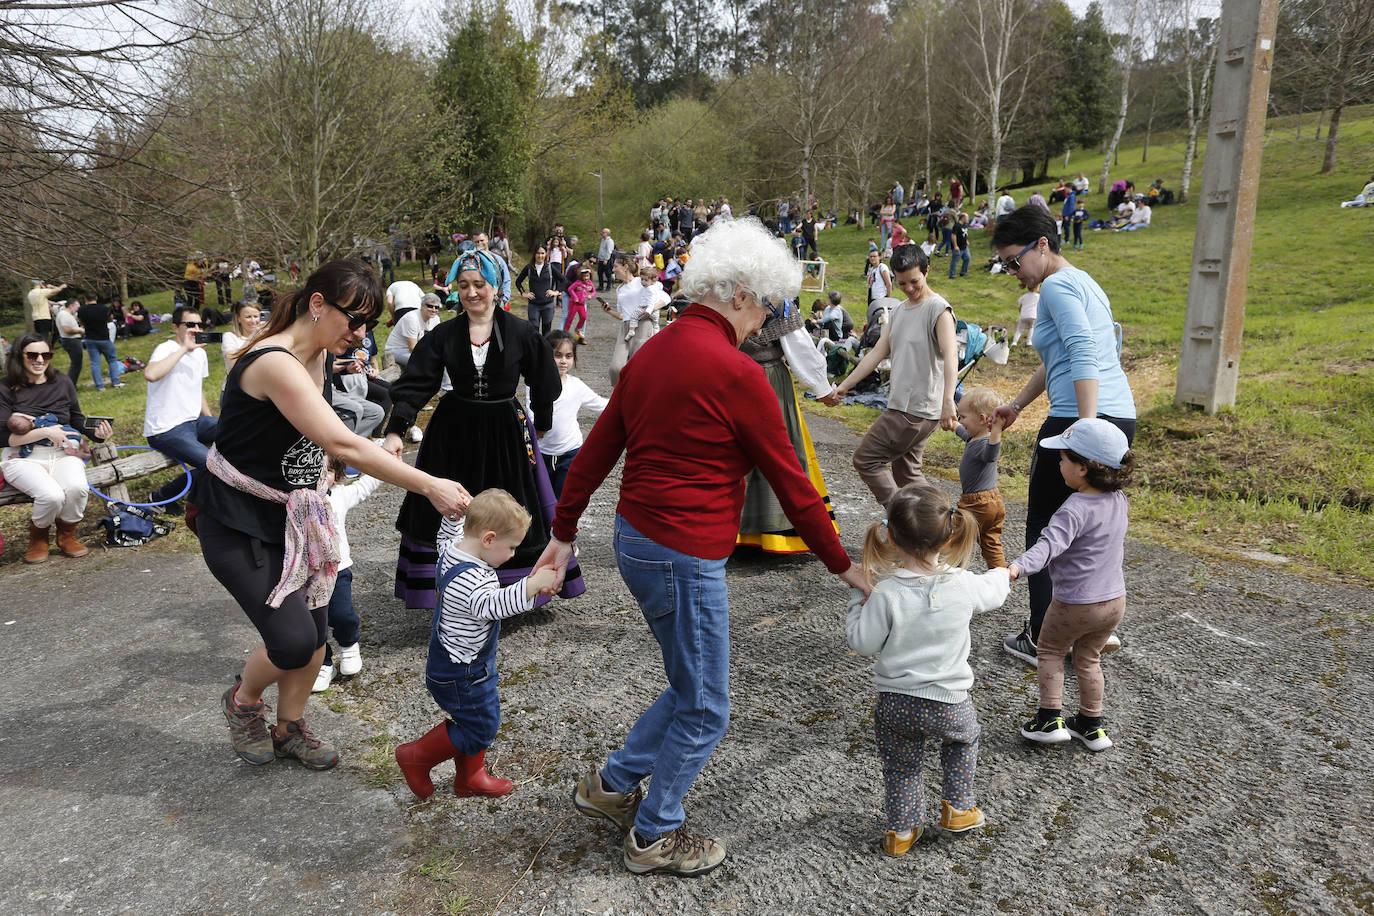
column 249, row 570
column 1046, row 492
column 603, row 275
column 379, row 393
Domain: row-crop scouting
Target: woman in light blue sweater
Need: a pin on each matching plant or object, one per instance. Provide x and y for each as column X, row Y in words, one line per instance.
column 916, row 623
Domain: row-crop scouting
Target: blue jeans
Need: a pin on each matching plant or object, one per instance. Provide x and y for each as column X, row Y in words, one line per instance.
column 882, row 236
column 343, row 616
column 955, row 258
column 686, row 605
column 188, row 442
column 106, row 348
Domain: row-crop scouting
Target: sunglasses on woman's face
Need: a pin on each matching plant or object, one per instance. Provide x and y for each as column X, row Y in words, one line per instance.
column 37, row 355
column 355, row 321
column 1013, row 263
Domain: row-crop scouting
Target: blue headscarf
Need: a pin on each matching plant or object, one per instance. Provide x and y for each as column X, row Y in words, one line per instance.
column 493, row 270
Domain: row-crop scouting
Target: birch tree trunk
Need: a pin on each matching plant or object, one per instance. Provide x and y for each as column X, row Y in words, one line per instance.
column 1126, row 66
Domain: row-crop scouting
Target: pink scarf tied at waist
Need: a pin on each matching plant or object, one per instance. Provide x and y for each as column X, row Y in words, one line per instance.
column 312, row 541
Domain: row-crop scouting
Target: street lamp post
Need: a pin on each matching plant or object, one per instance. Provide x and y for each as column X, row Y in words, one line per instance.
column 600, row 199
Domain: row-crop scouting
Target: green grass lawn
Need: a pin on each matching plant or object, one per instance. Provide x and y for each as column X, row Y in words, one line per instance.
column 1288, row 470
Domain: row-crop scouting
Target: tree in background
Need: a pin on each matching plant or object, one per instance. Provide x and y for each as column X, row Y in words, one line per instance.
column 484, row 91
column 1327, row 45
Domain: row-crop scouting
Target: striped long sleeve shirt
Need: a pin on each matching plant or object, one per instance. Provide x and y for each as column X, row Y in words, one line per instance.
column 473, row 600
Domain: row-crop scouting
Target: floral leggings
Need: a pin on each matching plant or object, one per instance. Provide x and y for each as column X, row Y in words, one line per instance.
column 902, row 724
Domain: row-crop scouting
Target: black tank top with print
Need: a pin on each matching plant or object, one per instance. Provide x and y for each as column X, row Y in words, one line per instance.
column 255, row 438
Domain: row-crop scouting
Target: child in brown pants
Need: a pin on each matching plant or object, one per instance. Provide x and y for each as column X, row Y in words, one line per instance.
column 1083, row 545
column 981, row 429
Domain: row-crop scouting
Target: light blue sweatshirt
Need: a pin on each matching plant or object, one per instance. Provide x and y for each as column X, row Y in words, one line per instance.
column 1076, row 341
column 917, row 625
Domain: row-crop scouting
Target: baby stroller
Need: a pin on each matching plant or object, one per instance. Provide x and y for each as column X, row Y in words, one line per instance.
column 974, row 343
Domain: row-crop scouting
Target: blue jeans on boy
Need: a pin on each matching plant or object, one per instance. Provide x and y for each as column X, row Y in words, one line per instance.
column 188, row 442
column 946, row 242
column 686, row 605
column 343, row 616
column 106, row 348
column 465, row 690
column 956, row 257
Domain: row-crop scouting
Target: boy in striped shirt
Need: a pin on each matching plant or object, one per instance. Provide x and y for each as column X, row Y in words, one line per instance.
column 461, row 671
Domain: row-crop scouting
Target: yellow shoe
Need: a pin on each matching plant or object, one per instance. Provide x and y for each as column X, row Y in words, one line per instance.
column 895, row 845
column 956, row 821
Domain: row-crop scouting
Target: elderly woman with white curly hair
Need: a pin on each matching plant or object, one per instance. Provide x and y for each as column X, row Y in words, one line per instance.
column 696, row 416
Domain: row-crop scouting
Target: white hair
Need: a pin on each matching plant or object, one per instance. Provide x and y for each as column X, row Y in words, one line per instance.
column 735, row 253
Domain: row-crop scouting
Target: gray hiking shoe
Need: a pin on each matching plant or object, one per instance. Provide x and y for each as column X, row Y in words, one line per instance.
column 247, row 727
column 591, row 800
column 677, row 853
column 300, row 742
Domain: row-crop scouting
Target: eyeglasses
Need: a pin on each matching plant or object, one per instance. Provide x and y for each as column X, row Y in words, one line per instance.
column 772, row 309
column 354, row 321
column 37, row 355
column 191, row 324
column 1013, row 264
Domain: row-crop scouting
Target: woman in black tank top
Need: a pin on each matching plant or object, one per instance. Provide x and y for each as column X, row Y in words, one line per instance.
column 265, row 531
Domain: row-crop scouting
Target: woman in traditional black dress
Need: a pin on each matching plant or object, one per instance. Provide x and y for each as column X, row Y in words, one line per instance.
column 480, row 435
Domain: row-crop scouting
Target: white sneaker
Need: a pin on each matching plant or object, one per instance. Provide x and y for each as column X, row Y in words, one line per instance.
column 1113, row 643
column 350, row 660
column 416, row 434
column 323, row 679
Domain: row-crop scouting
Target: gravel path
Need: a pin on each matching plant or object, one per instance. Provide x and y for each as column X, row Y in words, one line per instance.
column 1240, row 782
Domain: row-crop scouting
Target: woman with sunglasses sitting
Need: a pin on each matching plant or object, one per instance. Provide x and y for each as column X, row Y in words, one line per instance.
column 1080, row 372
column 479, row 434
column 265, row 527
column 55, row 479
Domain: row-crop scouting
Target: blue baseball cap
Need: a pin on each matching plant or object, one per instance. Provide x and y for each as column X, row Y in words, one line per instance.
column 1094, row 439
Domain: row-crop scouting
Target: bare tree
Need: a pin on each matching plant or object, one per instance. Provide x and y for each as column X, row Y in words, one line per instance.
column 73, row 75
column 311, row 128
column 1127, row 61
column 1198, row 52
column 1333, row 41
column 1004, row 46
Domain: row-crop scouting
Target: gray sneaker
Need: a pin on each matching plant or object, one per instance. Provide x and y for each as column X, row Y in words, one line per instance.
column 677, row 853
column 247, row 728
column 591, row 800
column 303, row 744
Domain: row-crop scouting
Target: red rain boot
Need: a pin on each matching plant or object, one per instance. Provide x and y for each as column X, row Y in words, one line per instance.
column 419, row 757
column 473, row 779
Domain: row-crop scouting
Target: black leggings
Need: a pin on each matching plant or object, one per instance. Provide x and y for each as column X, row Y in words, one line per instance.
column 250, row 569
column 1046, row 492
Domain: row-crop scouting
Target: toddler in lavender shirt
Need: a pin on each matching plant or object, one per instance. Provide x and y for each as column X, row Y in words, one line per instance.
column 1083, row 546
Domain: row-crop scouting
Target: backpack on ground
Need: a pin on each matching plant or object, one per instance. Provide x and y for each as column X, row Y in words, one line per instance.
column 130, row 526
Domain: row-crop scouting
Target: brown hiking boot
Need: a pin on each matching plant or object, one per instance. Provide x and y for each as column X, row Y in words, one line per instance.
column 67, row 541
column 247, row 727
column 677, row 853
column 297, row 740
column 592, row 800
column 38, row 544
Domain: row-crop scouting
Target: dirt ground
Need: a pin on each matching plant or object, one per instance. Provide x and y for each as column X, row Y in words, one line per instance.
column 1240, row 780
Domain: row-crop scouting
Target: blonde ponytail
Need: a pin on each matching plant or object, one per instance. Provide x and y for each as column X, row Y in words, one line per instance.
column 962, row 537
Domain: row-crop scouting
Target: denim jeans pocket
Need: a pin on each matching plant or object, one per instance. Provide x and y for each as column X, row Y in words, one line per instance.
column 650, row 581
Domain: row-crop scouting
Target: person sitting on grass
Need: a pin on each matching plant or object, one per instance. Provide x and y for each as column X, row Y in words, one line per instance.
column 461, row 671
column 1363, row 199
column 1139, row 218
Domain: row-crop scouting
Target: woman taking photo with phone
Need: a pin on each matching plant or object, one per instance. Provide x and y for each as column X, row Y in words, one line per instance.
column 265, row 527
column 55, row 479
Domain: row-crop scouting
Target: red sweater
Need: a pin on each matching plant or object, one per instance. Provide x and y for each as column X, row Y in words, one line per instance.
column 693, row 416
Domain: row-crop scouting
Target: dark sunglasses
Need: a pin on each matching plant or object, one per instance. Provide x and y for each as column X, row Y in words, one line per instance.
column 354, row 321
column 190, row 324
column 36, row 355
column 1013, row 263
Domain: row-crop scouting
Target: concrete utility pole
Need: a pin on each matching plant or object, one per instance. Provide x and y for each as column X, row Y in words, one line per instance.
column 1210, row 361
